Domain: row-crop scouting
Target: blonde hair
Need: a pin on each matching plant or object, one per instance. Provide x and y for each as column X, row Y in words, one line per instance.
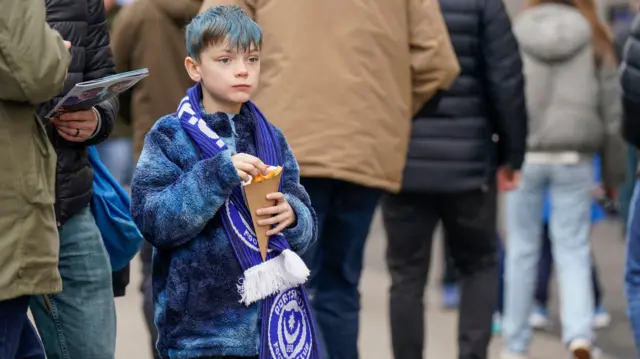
column 602, row 39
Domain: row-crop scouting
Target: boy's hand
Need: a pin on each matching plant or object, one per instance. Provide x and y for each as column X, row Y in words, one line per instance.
column 283, row 214
column 247, row 165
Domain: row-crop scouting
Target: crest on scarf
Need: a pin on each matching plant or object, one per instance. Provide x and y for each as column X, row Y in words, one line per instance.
column 288, row 339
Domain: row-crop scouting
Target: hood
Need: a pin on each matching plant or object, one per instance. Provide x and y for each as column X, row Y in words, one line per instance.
column 552, row 32
column 180, row 10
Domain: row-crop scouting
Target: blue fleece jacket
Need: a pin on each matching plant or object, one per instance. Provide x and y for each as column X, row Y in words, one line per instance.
column 175, row 201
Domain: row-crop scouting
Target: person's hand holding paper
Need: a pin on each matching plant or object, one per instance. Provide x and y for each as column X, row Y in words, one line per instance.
column 76, row 126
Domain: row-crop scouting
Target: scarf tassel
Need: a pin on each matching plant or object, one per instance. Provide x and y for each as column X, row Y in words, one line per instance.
column 283, row 272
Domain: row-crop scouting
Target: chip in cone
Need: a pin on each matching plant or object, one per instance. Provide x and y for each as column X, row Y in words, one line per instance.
column 256, row 192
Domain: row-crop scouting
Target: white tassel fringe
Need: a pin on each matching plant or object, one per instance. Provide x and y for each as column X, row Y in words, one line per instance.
column 283, row 272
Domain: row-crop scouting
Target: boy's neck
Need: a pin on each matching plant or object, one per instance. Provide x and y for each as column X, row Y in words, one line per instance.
column 211, row 105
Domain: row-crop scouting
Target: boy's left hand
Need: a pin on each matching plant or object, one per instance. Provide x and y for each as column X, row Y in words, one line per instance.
column 283, row 214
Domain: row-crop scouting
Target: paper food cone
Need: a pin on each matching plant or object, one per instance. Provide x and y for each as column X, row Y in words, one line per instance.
column 256, row 195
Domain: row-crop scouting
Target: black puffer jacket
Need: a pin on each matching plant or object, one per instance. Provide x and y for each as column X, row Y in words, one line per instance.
column 453, row 147
column 630, row 80
column 84, row 24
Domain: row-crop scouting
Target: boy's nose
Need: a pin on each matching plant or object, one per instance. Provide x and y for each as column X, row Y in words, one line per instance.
column 242, row 70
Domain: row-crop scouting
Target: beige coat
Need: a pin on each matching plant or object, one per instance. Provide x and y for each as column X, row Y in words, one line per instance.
column 33, row 65
column 150, row 34
column 342, row 79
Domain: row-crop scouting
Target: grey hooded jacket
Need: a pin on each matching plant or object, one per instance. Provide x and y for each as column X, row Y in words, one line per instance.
column 573, row 100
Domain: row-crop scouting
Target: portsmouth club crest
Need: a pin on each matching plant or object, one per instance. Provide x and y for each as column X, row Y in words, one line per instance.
column 289, row 327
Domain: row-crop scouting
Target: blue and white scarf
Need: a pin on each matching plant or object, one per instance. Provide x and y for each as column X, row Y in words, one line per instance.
column 288, row 330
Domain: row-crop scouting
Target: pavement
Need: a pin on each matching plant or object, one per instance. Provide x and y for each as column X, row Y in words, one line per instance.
column 374, row 343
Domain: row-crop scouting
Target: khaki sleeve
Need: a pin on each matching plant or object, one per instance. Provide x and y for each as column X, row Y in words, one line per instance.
column 33, row 58
column 247, row 5
column 434, row 65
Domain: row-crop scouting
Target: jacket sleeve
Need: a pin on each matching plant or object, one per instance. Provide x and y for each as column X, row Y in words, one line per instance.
column 504, row 84
column 99, row 63
column 610, row 111
column 305, row 231
column 434, row 65
column 33, row 58
column 630, row 81
column 171, row 206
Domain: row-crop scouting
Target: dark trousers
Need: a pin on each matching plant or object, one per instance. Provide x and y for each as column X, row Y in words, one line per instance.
column 18, row 338
column 344, row 211
column 469, row 222
column 545, row 268
column 450, row 273
column 147, row 294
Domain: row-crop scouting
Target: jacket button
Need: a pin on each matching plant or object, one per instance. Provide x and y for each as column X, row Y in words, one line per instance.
column 58, row 223
column 495, row 138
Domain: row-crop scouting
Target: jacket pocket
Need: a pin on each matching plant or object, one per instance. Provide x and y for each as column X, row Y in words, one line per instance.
column 38, row 185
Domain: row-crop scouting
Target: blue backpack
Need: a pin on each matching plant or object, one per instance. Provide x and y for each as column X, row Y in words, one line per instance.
column 110, row 207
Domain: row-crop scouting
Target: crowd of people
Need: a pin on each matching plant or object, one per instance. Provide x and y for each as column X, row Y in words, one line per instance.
column 427, row 109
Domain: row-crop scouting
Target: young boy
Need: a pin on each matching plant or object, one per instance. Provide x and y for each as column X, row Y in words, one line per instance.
column 214, row 296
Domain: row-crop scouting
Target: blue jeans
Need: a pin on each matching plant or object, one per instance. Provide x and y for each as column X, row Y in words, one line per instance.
column 627, row 188
column 570, row 194
column 80, row 322
column 117, row 156
column 501, row 264
column 545, row 268
column 344, row 211
column 18, row 338
column 632, row 267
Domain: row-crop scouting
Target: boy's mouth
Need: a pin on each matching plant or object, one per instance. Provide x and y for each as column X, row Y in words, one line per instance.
column 242, row 86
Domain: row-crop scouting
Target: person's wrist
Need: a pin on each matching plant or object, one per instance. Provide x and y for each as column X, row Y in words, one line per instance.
column 98, row 122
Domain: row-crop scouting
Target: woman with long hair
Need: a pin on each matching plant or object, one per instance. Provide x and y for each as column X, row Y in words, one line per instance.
column 574, row 113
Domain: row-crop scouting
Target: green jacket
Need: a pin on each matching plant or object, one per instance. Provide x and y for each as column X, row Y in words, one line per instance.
column 33, row 66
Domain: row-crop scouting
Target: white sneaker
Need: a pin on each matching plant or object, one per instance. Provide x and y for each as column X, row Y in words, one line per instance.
column 539, row 319
column 509, row 355
column 583, row 349
column 601, row 319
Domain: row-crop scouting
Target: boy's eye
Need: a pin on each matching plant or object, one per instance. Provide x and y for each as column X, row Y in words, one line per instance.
column 254, row 59
column 225, row 60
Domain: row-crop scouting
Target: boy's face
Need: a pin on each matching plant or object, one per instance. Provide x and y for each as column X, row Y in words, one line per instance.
column 229, row 75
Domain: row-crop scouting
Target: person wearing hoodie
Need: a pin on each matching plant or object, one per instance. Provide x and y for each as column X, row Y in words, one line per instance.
column 149, row 34
column 574, row 113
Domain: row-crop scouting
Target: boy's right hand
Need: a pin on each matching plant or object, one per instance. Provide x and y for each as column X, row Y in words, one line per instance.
column 248, row 166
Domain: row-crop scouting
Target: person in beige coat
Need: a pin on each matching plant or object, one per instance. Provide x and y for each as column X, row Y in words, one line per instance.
column 33, row 67
column 342, row 79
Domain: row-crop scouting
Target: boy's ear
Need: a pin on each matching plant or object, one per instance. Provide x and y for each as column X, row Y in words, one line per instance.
column 192, row 69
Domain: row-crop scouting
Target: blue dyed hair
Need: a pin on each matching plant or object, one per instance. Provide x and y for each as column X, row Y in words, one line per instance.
column 219, row 24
